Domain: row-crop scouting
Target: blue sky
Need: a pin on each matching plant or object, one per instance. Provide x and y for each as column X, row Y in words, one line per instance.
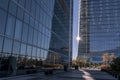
column 75, row 28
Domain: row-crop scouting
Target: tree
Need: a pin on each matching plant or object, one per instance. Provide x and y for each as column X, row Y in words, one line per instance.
column 111, row 57
column 105, row 58
column 115, row 65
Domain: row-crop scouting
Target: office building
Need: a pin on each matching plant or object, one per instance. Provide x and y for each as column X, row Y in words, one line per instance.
column 27, row 29
column 61, row 39
column 99, row 26
column 83, row 46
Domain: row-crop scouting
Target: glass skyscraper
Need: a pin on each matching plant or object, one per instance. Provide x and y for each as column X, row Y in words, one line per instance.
column 61, row 39
column 99, row 27
column 32, row 30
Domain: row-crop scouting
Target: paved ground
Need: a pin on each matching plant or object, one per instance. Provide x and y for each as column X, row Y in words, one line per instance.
column 71, row 75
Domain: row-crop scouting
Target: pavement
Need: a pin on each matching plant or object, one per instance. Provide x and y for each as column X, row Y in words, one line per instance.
column 82, row 74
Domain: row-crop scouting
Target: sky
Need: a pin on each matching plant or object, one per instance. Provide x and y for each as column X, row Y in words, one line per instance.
column 75, row 28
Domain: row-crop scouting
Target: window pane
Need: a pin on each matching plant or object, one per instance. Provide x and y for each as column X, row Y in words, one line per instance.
column 16, row 47
column 28, row 2
column 18, row 29
column 23, row 49
column 36, row 25
column 35, row 37
column 33, row 8
column 20, row 13
column 1, row 42
column 40, row 28
column 10, row 26
column 38, row 52
column 30, row 35
column 29, row 49
column 4, row 4
column 7, row 45
column 12, row 8
column 34, row 52
column 37, row 12
column 42, row 53
column 22, row 2
column 2, row 21
column 31, row 21
column 26, row 18
column 45, row 54
column 43, row 41
column 25, row 32
column 39, row 39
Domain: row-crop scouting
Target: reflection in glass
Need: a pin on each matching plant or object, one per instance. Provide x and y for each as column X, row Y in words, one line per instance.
column 43, row 40
column 45, row 54
column 42, row 54
column 26, row 17
column 7, row 45
column 34, row 52
column 30, row 35
column 4, row 4
column 1, row 42
column 16, row 47
column 2, row 21
column 23, row 49
column 25, row 32
column 35, row 37
column 12, row 8
column 10, row 26
column 39, row 39
column 29, row 49
column 18, row 29
column 38, row 53
column 20, row 13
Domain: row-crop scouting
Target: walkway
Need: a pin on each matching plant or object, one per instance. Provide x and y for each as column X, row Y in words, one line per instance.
column 71, row 75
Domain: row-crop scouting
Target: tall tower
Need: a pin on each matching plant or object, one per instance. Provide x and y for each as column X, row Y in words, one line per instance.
column 99, row 27
column 83, row 47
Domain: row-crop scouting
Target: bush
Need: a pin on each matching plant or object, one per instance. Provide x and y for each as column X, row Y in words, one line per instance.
column 115, row 65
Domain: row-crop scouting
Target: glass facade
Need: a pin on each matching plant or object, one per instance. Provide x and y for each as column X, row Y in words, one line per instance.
column 83, row 47
column 30, row 29
column 102, row 17
column 62, row 31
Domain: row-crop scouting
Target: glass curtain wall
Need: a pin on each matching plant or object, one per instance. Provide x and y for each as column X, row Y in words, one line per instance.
column 25, row 32
column 103, row 26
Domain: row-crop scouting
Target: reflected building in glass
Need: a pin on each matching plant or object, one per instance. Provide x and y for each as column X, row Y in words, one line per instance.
column 61, row 38
column 99, row 21
column 32, row 30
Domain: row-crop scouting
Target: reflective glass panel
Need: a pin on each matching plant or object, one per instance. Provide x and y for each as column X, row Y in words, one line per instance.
column 18, row 29
column 10, row 26
column 1, row 42
column 7, row 45
column 2, row 21
column 16, row 47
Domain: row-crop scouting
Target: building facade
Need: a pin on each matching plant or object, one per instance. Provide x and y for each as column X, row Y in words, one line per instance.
column 61, row 39
column 27, row 30
column 102, row 20
column 83, row 46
